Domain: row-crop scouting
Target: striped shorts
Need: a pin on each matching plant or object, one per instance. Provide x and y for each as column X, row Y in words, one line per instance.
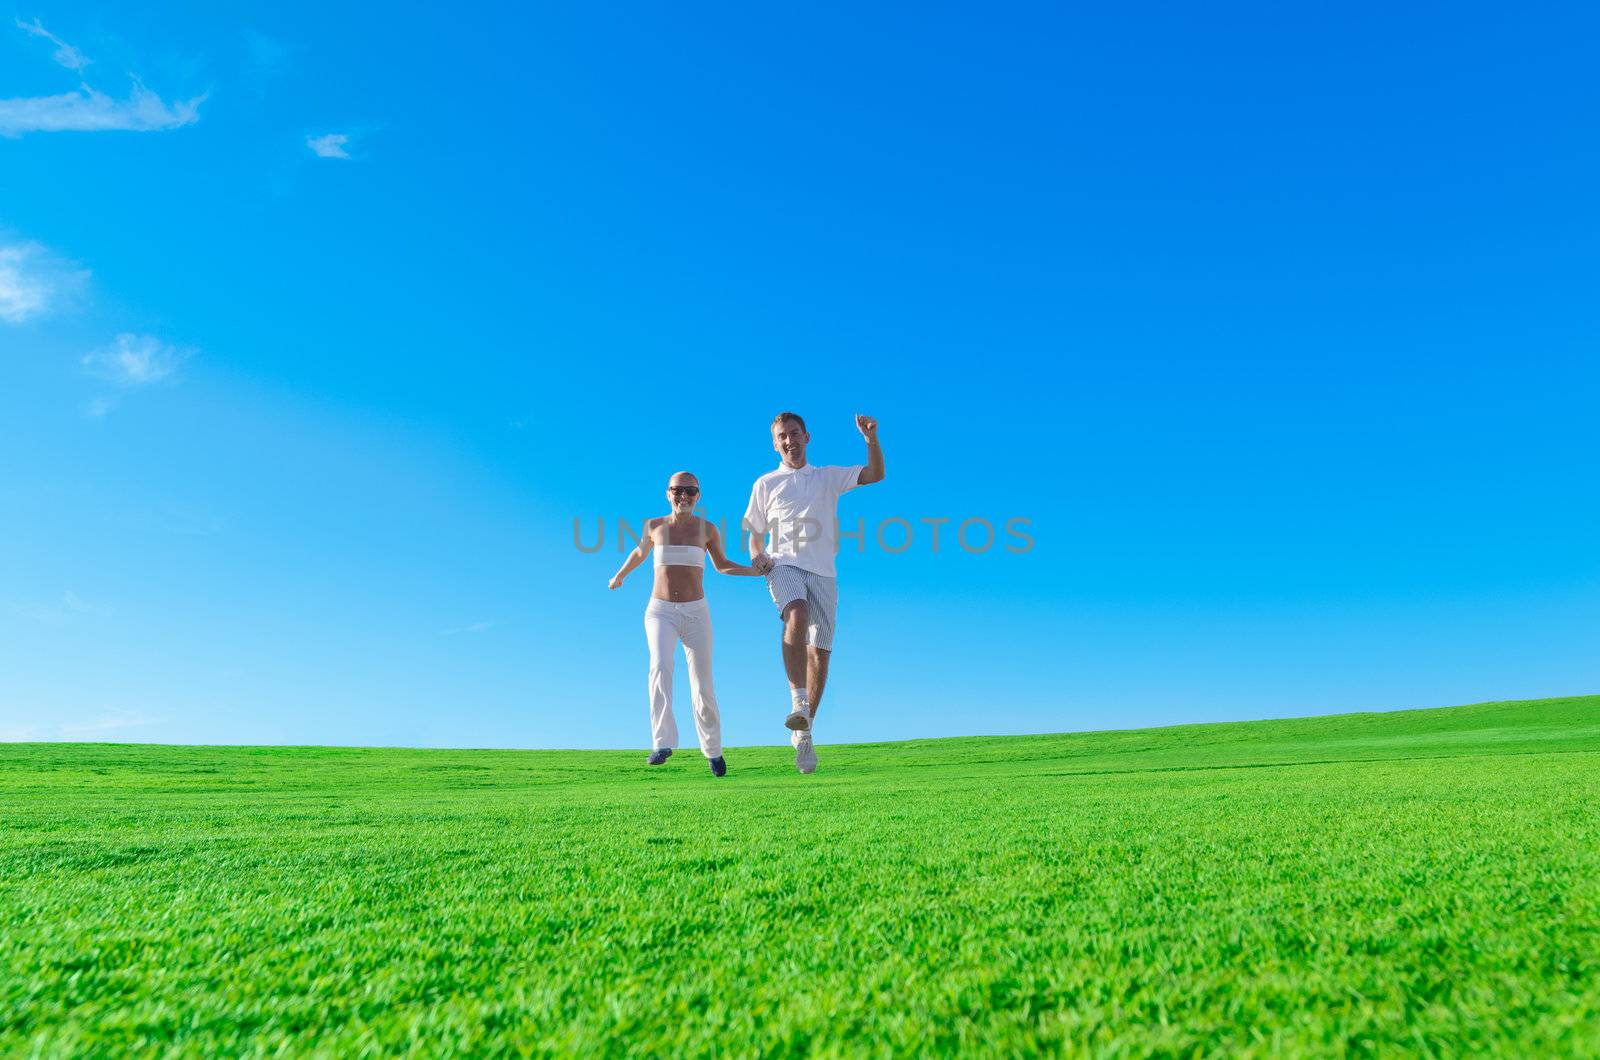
column 788, row 583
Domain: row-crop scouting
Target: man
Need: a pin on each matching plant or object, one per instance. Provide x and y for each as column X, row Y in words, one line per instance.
column 796, row 508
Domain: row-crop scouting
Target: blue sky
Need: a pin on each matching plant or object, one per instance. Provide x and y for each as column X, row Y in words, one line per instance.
column 320, row 330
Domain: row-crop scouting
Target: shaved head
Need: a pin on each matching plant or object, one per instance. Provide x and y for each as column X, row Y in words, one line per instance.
column 683, row 492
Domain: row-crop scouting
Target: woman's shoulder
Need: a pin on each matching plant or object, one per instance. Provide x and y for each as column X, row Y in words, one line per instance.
column 705, row 528
column 696, row 532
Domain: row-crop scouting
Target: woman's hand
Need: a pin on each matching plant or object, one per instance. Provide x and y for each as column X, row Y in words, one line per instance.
column 615, row 583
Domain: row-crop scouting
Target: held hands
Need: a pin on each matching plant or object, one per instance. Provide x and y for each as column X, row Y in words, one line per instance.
column 761, row 564
column 868, row 428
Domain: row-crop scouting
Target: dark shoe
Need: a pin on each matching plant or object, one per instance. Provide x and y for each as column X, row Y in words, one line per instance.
column 718, row 766
column 659, row 755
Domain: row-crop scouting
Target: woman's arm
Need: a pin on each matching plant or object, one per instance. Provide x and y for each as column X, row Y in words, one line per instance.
column 647, row 542
column 719, row 559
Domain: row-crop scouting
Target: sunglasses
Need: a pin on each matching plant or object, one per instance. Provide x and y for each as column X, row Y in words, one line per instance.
column 690, row 490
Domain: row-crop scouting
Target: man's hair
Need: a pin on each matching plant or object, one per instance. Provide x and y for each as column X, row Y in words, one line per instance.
column 780, row 417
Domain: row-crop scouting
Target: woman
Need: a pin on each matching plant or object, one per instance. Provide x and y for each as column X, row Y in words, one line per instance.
column 678, row 611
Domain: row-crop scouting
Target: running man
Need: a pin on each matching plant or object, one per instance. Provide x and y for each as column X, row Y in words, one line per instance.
column 796, row 508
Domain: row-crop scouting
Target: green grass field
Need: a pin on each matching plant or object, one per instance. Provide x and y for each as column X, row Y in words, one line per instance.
column 1422, row 882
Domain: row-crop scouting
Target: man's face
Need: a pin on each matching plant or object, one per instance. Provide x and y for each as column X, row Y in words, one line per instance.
column 683, row 493
column 790, row 442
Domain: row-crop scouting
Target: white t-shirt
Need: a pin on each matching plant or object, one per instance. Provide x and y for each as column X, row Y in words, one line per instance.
column 798, row 510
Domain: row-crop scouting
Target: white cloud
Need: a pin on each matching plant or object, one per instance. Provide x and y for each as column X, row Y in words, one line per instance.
column 65, row 53
column 77, row 604
column 33, row 282
column 135, row 360
column 87, row 729
column 60, row 612
column 329, row 146
column 183, row 521
column 110, row 721
column 265, row 54
column 96, row 408
column 88, row 110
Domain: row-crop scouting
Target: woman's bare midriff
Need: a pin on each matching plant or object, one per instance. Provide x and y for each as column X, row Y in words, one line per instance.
column 677, row 583
column 681, row 585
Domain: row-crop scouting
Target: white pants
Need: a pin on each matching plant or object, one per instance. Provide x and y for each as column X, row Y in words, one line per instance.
column 666, row 623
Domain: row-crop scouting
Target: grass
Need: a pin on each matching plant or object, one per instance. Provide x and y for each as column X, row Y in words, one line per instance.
column 1424, row 882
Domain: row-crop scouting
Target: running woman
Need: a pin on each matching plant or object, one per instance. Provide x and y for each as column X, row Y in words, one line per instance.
column 796, row 508
column 678, row 612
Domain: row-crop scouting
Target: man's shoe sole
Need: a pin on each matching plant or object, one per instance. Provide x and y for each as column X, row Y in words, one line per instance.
column 797, row 721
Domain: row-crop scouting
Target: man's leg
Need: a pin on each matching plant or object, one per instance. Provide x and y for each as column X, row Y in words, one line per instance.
column 822, row 596
column 788, row 588
column 805, row 750
column 796, row 617
column 816, row 675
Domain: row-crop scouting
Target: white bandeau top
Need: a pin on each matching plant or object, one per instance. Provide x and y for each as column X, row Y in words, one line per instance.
column 680, row 556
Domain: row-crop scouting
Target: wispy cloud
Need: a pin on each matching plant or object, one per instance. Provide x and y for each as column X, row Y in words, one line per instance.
column 34, row 282
column 60, row 612
column 329, row 146
column 476, row 627
column 110, row 721
column 182, row 520
column 264, row 54
column 88, row 110
column 87, row 729
column 136, row 360
column 265, row 60
column 65, row 53
column 96, row 408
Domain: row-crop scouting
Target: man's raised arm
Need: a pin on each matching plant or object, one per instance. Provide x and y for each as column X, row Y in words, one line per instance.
column 873, row 472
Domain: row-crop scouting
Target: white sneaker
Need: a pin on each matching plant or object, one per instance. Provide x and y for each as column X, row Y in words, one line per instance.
column 805, row 755
column 798, row 720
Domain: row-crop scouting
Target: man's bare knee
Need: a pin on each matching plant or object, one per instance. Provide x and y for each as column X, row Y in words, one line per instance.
column 795, row 619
